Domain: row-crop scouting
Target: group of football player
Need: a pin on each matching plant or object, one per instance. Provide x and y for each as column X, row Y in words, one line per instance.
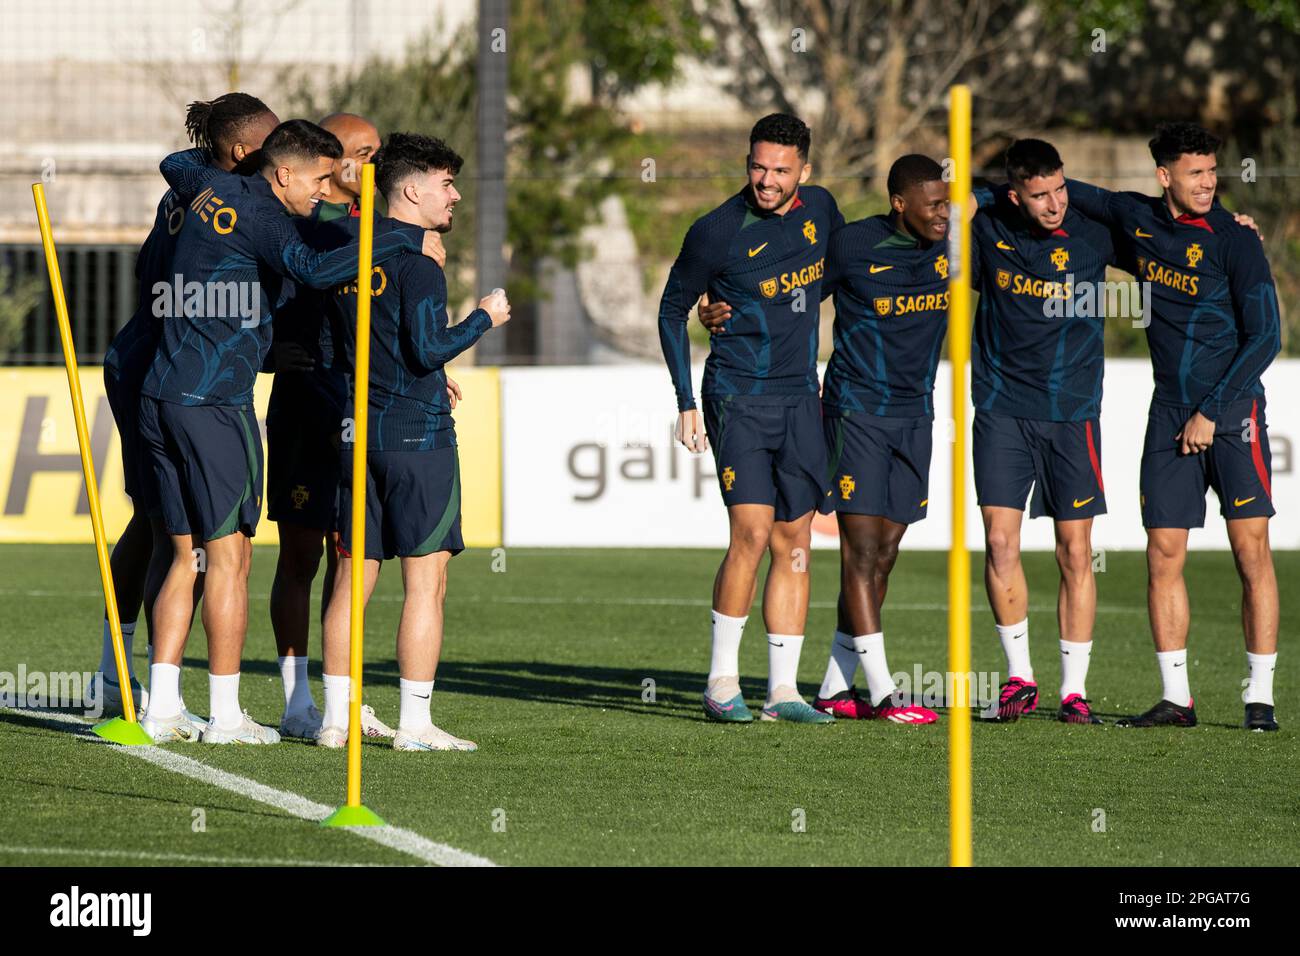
column 252, row 266
column 859, row 445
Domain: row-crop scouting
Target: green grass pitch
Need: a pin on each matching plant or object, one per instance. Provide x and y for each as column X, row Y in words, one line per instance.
column 545, row 664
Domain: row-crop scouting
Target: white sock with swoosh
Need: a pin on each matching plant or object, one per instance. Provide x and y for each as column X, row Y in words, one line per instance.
column 416, row 696
column 1173, row 672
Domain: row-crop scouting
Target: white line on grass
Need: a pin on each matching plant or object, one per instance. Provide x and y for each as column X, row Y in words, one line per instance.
column 145, row 857
column 396, row 838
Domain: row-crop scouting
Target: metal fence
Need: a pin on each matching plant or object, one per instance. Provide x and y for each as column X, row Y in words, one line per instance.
column 100, row 286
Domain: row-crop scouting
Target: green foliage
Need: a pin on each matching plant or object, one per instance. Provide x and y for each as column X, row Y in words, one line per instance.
column 566, row 150
column 17, row 299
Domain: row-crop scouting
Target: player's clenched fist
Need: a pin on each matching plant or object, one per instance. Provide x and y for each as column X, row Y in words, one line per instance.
column 690, row 431
column 433, row 247
column 497, row 306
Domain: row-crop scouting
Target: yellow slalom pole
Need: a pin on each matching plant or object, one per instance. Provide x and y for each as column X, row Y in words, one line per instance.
column 119, row 730
column 959, row 713
column 353, row 813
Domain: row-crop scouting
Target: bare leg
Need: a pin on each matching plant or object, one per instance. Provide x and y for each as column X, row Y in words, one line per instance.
column 419, row 634
column 737, row 580
column 1259, row 595
column 1004, row 576
column 785, row 595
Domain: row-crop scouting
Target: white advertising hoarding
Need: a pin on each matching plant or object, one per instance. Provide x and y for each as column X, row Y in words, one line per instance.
column 589, row 461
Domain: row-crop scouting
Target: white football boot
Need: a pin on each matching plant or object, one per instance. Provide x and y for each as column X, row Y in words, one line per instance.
column 431, row 738
column 372, row 726
column 167, row 730
column 334, row 738
column 249, row 731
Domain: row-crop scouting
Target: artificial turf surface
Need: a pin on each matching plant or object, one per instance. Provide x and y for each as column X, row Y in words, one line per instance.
column 545, row 665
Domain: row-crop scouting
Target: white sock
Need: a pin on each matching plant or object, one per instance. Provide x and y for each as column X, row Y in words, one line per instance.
column 223, row 700
column 1260, row 688
column 840, row 668
column 416, row 697
column 1074, row 667
column 164, row 690
column 1015, row 644
column 726, row 646
column 297, row 692
column 1173, row 672
column 337, row 689
column 107, row 664
column 782, row 662
column 871, row 654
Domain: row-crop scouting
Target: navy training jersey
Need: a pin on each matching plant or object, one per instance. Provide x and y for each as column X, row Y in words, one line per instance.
column 1033, row 354
column 1215, row 325
column 303, row 319
column 891, row 313
column 410, row 343
column 768, row 268
column 236, row 246
column 136, row 341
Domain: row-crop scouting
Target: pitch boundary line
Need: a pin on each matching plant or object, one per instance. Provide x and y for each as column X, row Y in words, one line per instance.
column 144, row 857
column 395, row 838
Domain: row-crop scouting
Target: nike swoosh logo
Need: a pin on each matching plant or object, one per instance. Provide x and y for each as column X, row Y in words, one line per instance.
column 1080, row 504
column 875, row 269
column 1003, row 245
column 774, row 644
column 754, row 252
column 422, row 696
column 1238, row 502
column 1141, row 235
column 924, row 503
column 1180, row 663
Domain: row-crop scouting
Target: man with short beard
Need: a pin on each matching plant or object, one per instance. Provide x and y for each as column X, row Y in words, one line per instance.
column 1215, row 328
column 763, row 252
column 303, row 422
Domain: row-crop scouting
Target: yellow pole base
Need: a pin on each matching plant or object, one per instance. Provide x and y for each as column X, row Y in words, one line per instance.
column 128, row 733
column 348, row 816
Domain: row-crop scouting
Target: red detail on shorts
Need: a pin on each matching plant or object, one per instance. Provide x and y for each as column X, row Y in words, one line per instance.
column 1257, row 450
column 1188, row 219
column 343, row 553
column 1093, row 457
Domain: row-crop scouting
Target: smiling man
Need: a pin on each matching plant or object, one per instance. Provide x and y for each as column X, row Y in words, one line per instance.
column 303, row 422
column 1214, row 329
column 763, row 252
column 889, row 277
column 196, row 414
column 1036, row 374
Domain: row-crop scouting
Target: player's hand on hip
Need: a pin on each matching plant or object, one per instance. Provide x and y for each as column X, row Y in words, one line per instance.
column 497, row 306
column 713, row 315
column 433, row 247
column 690, row 431
column 1197, row 435
column 453, row 392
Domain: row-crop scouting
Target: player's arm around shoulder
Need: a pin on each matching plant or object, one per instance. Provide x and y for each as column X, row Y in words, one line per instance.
column 188, row 172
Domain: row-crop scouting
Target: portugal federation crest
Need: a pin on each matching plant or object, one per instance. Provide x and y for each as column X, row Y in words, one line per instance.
column 299, row 497
column 1060, row 258
column 810, row 232
column 941, row 266
column 728, row 477
column 1194, row 254
column 847, row 486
